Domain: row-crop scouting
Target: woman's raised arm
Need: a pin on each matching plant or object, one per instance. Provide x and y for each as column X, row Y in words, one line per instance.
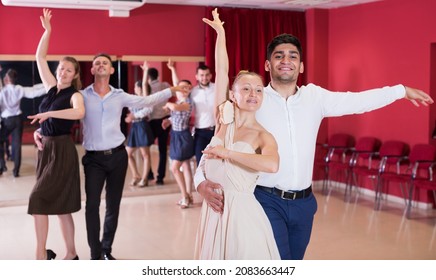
column 221, row 63
column 48, row 79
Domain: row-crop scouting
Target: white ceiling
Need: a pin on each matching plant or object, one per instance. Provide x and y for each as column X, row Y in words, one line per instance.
column 299, row 5
column 121, row 8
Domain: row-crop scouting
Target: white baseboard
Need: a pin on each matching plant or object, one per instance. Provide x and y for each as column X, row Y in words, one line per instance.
column 371, row 193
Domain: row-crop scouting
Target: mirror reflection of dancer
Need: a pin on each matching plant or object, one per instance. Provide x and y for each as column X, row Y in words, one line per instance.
column 239, row 149
column 140, row 136
column 182, row 142
column 11, row 95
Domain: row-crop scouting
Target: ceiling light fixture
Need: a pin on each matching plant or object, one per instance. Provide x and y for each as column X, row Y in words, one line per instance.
column 307, row 2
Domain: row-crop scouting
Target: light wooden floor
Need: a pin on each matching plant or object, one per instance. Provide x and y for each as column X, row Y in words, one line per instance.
column 153, row 227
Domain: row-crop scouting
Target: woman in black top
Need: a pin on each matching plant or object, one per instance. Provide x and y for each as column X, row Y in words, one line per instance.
column 57, row 188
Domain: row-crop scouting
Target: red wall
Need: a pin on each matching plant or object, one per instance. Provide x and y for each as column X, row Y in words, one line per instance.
column 373, row 45
column 377, row 44
column 150, row 30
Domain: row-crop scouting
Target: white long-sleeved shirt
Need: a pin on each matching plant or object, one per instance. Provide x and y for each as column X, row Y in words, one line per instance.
column 294, row 122
column 203, row 99
column 11, row 95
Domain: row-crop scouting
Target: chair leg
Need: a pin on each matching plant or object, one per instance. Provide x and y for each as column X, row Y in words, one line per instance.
column 354, row 182
column 403, row 192
column 331, row 184
column 378, row 190
column 348, row 185
column 326, row 180
column 409, row 205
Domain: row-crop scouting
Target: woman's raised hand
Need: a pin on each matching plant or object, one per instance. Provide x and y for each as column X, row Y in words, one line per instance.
column 45, row 19
column 216, row 23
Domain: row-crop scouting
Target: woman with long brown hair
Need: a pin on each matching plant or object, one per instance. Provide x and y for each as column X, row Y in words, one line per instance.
column 57, row 188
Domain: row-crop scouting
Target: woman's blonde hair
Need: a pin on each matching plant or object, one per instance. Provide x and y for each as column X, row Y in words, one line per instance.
column 243, row 73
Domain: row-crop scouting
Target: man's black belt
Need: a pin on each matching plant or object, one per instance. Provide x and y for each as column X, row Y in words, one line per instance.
column 289, row 195
column 10, row 117
column 107, row 152
column 210, row 128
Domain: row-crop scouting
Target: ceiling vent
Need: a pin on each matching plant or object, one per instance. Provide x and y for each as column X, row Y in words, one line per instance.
column 116, row 8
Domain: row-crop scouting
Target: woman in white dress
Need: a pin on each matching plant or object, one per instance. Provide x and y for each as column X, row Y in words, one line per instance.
column 239, row 150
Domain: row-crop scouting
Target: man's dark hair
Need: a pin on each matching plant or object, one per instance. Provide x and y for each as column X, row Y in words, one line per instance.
column 103, row 55
column 283, row 39
column 153, row 73
column 186, row 81
column 202, row 67
column 12, row 75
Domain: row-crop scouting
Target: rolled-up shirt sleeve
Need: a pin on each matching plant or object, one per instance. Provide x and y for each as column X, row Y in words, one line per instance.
column 200, row 175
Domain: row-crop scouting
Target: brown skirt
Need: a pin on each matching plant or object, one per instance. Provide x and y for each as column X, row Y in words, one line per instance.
column 57, row 188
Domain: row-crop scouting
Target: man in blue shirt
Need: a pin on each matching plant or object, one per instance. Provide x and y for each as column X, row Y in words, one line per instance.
column 106, row 158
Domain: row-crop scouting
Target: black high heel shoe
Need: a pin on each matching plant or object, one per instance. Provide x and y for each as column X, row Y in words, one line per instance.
column 76, row 258
column 50, row 255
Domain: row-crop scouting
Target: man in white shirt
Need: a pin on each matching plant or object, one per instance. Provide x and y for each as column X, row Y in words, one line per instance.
column 293, row 115
column 203, row 98
column 11, row 116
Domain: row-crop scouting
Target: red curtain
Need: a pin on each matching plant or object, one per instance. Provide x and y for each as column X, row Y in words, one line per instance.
column 248, row 32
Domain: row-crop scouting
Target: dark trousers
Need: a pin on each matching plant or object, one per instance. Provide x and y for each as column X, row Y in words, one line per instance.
column 99, row 169
column 12, row 126
column 291, row 222
column 202, row 138
column 162, row 142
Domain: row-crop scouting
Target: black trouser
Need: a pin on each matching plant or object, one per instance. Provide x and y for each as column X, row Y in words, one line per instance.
column 12, row 126
column 202, row 138
column 162, row 142
column 100, row 168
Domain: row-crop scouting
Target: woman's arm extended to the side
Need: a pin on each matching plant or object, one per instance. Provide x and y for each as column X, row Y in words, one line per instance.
column 77, row 111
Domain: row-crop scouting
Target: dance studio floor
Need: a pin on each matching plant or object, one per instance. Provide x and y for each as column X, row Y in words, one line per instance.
column 152, row 227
